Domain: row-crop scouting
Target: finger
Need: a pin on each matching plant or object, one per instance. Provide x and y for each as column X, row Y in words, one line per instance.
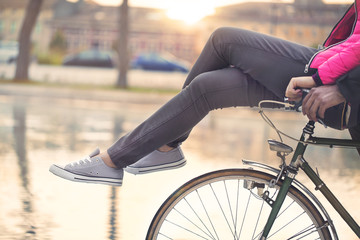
column 290, row 91
column 295, row 99
column 310, row 106
column 313, row 111
column 306, row 104
column 297, row 92
column 294, row 95
column 321, row 111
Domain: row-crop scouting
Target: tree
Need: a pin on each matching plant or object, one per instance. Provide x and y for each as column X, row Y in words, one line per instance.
column 23, row 60
column 123, row 45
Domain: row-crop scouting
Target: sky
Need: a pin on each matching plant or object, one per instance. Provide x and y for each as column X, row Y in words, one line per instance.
column 189, row 11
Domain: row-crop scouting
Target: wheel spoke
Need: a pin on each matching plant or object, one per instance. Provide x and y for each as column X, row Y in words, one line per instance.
column 305, row 232
column 207, row 214
column 192, row 223
column 231, row 212
column 291, row 221
column 237, row 205
column 258, row 219
column 188, row 230
column 245, row 214
column 222, row 210
column 197, row 215
column 288, row 207
column 165, row 236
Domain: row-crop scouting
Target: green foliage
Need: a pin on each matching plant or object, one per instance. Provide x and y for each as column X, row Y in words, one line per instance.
column 58, row 42
column 51, row 58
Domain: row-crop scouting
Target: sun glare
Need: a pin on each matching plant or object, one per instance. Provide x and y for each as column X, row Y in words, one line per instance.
column 190, row 13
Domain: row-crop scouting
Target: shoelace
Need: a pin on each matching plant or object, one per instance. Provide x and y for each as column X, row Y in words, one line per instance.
column 84, row 160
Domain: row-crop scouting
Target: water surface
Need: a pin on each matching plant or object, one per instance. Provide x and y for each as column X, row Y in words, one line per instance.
column 36, row 132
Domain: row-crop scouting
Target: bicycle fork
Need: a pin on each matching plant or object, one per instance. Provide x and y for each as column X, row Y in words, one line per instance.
column 290, row 175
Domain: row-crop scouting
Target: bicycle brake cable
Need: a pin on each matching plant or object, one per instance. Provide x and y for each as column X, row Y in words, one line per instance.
column 271, row 124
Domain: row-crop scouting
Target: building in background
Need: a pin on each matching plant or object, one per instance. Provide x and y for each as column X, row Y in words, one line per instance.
column 85, row 24
column 306, row 22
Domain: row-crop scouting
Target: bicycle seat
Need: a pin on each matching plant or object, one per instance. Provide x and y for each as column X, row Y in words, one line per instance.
column 279, row 146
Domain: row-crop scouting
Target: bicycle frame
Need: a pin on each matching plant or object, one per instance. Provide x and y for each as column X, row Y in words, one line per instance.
column 299, row 162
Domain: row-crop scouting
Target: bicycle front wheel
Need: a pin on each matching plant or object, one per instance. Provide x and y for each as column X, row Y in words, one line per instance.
column 229, row 204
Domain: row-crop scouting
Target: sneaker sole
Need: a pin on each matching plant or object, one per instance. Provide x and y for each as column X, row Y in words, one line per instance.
column 163, row 167
column 60, row 172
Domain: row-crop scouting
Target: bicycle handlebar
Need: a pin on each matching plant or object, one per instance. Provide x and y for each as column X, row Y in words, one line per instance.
column 297, row 106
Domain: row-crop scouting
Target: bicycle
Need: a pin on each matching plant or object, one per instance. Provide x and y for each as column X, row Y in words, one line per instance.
column 268, row 203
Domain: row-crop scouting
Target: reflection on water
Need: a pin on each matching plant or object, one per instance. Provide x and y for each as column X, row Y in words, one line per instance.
column 114, row 195
column 113, row 214
column 19, row 116
column 36, row 132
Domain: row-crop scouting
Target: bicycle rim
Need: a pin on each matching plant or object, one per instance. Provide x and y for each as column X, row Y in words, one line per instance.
column 227, row 204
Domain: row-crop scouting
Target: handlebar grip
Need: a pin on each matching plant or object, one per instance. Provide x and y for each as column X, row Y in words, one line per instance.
column 297, row 104
column 305, row 92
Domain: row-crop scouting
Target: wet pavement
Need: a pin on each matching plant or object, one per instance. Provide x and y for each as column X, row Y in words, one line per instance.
column 40, row 126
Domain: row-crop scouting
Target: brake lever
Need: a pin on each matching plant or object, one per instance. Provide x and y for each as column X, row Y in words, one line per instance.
column 292, row 105
column 297, row 105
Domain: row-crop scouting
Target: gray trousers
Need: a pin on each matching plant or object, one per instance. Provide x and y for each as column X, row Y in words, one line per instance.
column 236, row 68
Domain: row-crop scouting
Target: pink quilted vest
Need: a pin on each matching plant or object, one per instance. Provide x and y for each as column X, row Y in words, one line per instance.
column 342, row 48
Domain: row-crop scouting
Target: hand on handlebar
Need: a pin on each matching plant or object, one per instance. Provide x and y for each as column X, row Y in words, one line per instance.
column 315, row 101
column 319, row 99
column 293, row 90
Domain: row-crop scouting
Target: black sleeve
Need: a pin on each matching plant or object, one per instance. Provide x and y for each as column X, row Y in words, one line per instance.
column 355, row 134
column 349, row 85
column 317, row 79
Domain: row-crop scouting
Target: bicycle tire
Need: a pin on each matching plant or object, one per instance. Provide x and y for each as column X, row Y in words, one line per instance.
column 200, row 222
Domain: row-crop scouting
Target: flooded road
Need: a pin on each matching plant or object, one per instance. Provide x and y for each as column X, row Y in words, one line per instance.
column 36, row 132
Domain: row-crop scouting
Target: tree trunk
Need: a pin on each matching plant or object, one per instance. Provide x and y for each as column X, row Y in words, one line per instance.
column 23, row 59
column 123, row 46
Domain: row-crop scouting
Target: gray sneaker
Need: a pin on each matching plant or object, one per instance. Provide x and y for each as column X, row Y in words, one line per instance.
column 91, row 169
column 158, row 161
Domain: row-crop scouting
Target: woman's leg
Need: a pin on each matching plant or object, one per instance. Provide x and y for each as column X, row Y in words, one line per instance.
column 269, row 60
column 208, row 91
